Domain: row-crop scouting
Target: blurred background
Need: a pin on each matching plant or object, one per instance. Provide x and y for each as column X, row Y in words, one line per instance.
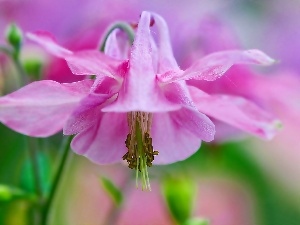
column 236, row 180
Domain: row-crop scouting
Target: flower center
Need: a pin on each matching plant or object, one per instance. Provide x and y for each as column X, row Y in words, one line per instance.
column 139, row 144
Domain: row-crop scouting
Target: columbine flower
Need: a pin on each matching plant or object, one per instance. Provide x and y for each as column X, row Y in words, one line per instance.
column 239, row 84
column 139, row 109
column 234, row 110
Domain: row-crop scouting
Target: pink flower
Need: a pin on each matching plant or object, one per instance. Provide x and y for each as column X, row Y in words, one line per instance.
column 144, row 100
column 234, row 110
column 240, row 82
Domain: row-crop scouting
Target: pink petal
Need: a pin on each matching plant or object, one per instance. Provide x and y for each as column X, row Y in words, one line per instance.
column 46, row 40
column 93, row 62
column 188, row 116
column 166, row 58
column 41, row 108
column 213, row 66
column 105, row 85
column 154, row 52
column 89, row 109
column 86, row 114
column 90, row 62
column 140, row 91
column 115, row 49
column 195, row 122
column 237, row 112
column 174, row 143
column 105, row 141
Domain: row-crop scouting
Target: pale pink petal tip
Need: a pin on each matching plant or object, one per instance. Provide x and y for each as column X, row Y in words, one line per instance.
column 237, row 112
column 215, row 65
column 46, row 40
column 273, row 128
column 259, row 57
column 267, row 130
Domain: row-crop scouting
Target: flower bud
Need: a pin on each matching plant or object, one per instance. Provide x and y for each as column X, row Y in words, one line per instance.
column 197, row 221
column 14, row 36
column 179, row 193
column 5, row 193
column 33, row 68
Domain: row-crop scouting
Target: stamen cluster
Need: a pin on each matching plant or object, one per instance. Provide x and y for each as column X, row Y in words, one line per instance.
column 139, row 144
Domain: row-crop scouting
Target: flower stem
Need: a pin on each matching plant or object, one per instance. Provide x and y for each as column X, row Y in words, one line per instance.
column 20, row 69
column 121, row 25
column 14, row 56
column 57, row 178
column 5, row 50
column 32, row 152
column 35, row 166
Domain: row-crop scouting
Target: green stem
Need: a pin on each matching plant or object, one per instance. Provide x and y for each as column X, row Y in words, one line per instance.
column 35, row 167
column 121, row 25
column 20, row 69
column 57, row 178
column 6, row 50
column 14, row 56
column 37, row 206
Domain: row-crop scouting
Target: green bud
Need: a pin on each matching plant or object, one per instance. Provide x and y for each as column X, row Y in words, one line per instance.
column 179, row 194
column 33, row 67
column 197, row 221
column 8, row 193
column 5, row 193
column 14, row 36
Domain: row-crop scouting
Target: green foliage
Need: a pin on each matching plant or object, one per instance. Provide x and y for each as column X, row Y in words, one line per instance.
column 27, row 179
column 16, row 172
column 12, row 155
column 179, row 193
column 274, row 206
column 113, row 191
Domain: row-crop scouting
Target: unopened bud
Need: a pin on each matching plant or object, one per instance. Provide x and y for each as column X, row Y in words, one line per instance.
column 14, row 36
column 5, row 193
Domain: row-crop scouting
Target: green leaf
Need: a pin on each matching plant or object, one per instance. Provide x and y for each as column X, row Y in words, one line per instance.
column 179, row 194
column 114, row 192
column 197, row 221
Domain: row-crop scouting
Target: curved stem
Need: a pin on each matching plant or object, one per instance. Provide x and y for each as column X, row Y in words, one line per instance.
column 20, row 69
column 121, row 25
column 14, row 55
column 57, row 178
column 5, row 50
